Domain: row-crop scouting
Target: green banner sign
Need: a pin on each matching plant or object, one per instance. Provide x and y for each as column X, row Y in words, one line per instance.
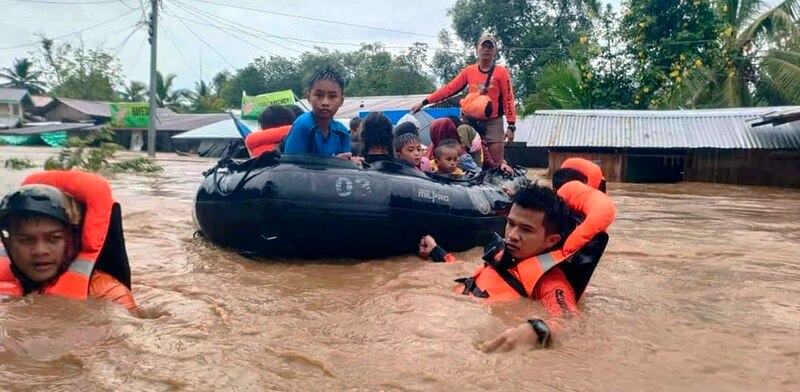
column 253, row 106
column 130, row 114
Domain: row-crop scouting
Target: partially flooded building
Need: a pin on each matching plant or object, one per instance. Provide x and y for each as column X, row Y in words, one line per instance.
column 734, row 146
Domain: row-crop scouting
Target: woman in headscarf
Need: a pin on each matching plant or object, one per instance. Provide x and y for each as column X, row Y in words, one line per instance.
column 444, row 129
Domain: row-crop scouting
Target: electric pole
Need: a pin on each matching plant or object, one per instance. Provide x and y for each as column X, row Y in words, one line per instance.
column 151, row 128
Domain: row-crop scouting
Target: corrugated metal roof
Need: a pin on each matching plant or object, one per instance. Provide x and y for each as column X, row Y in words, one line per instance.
column 716, row 128
column 224, row 129
column 186, row 122
column 14, row 95
column 99, row 108
column 353, row 105
column 780, row 117
column 9, row 122
column 37, row 129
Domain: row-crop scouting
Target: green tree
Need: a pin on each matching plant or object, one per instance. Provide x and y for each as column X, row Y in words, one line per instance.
column 532, row 33
column 77, row 72
column 669, row 39
column 133, row 92
column 377, row 72
column 202, row 100
column 450, row 58
column 593, row 78
column 167, row 96
column 21, row 75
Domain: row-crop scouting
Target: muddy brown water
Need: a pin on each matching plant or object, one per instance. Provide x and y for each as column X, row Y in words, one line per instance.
column 698, row 291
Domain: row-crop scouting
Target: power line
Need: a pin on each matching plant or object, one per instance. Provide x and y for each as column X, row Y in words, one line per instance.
column 183, row 20
column 207, row 44
column 231, row 24
column 223, row 29
column 186, row 61
column 126, row 5
column 339, row 23
column 71, row 2
column 125, row 41
column 115, row 18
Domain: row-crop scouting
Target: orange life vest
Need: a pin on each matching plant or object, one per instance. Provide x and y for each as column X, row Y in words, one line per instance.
column 94, row 192
column 593, row 173
column 501, row 284
column 597, row 208
column 266, row 140
column 583, row 249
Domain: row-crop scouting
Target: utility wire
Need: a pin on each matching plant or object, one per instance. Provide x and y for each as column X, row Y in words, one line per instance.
column 233, row 25
column 186, row 61
column 115, row 18
column 223, row 29
column 338, row 23
column 207, row 44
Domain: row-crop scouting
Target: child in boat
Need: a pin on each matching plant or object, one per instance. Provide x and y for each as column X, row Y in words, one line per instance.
column 446, row 159
column 408, row 149
column 316, row 132
column 275, row 123
column 410, row 127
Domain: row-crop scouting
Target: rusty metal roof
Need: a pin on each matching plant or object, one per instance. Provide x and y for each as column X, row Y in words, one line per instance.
column 715, row 128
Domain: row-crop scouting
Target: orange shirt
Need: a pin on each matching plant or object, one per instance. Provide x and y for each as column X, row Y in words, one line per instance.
column 474, row 78
column 103, row 287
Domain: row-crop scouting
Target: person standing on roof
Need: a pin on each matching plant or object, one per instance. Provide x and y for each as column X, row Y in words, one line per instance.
column 498, row 90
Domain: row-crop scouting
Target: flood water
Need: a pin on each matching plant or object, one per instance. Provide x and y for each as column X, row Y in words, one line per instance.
column 698, row 291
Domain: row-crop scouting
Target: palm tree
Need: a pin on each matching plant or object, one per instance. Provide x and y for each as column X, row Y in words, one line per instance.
column 21, row 76
column 762, row 54
column 134, row 92
column 166, row 96
column 203, row 101
column 560, row 86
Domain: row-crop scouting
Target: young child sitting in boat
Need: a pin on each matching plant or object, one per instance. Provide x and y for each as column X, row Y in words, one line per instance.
column 446, row 159
column 316, row 132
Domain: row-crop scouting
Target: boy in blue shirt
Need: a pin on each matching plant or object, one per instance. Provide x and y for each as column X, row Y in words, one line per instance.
column 316, row 132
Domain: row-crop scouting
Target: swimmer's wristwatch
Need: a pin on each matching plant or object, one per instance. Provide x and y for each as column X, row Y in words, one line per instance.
column 542, row 331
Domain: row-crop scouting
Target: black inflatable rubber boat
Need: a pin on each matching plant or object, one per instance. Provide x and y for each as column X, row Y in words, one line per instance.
column 313, row 207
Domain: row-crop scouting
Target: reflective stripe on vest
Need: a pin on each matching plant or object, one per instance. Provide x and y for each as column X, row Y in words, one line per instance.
column 73, row 283
column 489, row 283
column 95, row 193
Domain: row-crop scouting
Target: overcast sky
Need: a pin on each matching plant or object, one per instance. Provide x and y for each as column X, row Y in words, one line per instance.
column 183, row 52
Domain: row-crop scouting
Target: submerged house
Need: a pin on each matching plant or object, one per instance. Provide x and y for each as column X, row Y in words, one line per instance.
column 717, row 145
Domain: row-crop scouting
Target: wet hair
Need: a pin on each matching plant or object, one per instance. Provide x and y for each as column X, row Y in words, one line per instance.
column 558, row 218
column 297, row 110
column 275, row 116
column 563, row 176
column 377, row 132
column 404, row 139
column 444, row 145
column 328, row 73
column 355, row 122
column 406, row 128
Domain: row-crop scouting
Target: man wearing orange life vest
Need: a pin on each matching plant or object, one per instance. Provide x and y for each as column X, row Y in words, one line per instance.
column 533, row 263
column 62, row 235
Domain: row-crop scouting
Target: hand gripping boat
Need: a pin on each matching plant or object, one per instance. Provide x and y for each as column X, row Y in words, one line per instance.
column 303, row 206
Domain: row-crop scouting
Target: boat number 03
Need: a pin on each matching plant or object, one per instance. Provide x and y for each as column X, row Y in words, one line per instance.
column 344, row 186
